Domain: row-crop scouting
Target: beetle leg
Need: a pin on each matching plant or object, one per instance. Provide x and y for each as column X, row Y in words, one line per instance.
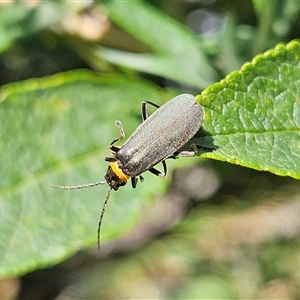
column 110, row 159
column 156, row 172
column 134, row 181
column 122, row 133
column 187, row 154
column 113, row 149
column 191, row 153
column 211, row 149
column 159, row 173
column 144, row 109
column 165, row 167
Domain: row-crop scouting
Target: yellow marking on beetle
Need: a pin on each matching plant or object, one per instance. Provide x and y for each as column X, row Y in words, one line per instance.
column 119, row 172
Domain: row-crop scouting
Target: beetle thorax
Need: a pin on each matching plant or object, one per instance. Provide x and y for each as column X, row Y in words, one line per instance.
column 114, row 176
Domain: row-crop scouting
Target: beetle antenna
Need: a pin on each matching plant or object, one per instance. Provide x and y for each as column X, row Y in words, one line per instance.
column 75, row 187
column 101, row 216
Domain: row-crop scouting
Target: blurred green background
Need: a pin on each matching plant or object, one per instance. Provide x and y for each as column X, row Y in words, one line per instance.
column 215, row 231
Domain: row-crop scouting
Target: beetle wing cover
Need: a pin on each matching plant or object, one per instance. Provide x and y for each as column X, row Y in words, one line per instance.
column 161, row 135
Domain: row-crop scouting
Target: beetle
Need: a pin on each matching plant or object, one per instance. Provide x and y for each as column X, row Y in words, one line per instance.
column 159, row 137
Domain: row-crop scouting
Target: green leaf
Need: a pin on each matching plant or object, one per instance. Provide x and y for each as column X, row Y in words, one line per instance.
column 253, row 116
column 178, row 54
column 57, row 130
column 18, row 20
